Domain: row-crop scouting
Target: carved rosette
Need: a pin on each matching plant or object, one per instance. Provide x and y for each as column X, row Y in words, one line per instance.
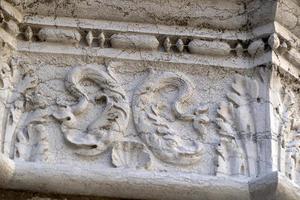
column 157, row 129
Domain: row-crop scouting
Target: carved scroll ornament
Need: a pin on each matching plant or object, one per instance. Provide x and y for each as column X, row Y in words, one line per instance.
column 105, row 128
column 155, row 129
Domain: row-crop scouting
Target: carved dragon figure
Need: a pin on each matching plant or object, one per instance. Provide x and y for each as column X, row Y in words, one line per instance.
column 166, row 142
column 107, row 127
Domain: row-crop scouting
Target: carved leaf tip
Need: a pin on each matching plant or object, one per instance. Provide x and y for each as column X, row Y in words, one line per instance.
column 244, row 86
column 225, row 111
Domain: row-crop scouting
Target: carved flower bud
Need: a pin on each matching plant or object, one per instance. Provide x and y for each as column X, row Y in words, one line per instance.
column 89, row 38
column 167, row 44
column 101, row 38
column 180, row 45
column 28, row 33
column 274, row 41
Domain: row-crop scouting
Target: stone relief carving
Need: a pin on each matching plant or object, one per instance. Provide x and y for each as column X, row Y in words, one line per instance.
column 32, row 143
column 23, row 136
column 130, row 154
column 285, row 112
column 14, row 107
column 159, row 117
column 292, row 156
column 146, row 42
column 155, row 120
column 105, row 128
column 231, row 160
column 237, row 129
column 287, row 127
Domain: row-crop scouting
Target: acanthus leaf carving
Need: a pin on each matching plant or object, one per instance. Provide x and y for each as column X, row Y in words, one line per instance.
column 157, row 130
column 292, row 155
column 13, row 97
column 23, row 136
column 286, row 125
column 32, row 139
column 237, row 129
column 32, row 143
column 231, row 158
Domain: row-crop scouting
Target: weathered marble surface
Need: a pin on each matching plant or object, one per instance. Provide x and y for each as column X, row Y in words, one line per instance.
column 151, row 100
column 21, row 195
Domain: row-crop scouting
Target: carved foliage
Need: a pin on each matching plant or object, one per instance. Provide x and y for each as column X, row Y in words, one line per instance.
column 293, row 150
column 286, row 125
column 22, row 135
column 32, row 143
column 285, row 112
column 105, row 128
column 155, row 126
column 17, row 79
column 236, row 122
column 292, row 154
column 128, row 154
column 231, row 159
